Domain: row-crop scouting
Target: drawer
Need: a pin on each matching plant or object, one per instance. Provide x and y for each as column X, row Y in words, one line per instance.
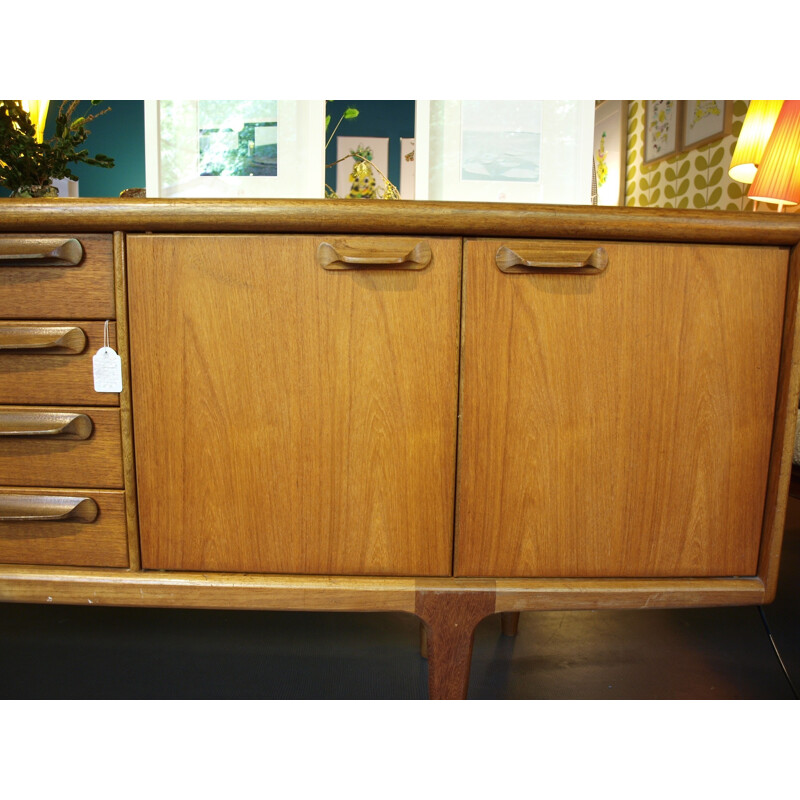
column 39, row 281
column 51, row 363
column 65, row 527
column 58, row 446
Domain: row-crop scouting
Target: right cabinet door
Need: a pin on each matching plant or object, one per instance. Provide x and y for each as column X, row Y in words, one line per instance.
column 616, row 424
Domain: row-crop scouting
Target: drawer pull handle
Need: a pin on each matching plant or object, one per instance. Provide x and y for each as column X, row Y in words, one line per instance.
column 575, row 259
column 24, row 337
column 329, row 257
column 61, row 425
column 40, row 252
column 46, row 508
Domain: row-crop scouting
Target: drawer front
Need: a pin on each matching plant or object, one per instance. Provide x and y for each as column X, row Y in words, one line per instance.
column 65, row 527
column 60, row 446
column 32, row 287
column 616, row 417
column 51, row 363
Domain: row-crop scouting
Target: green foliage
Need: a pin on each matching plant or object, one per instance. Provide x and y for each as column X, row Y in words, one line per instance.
column 24, row 162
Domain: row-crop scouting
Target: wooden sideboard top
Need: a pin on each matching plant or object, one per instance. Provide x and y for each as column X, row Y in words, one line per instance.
column 398, row 217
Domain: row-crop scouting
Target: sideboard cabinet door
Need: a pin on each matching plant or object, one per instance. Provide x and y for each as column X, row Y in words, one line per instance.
column 616, row 421
column 294, row 413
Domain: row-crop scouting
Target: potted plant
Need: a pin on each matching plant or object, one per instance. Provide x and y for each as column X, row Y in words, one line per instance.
column 28, row 166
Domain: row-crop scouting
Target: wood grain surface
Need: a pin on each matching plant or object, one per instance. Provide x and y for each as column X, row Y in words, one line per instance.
column 409, row 218
column 289, row 418
column 620, row 424
column 101, row 543
column 786, row 416
column 450, row 619
column 125, row 409
column 40, row 378
column 53, row 461
column 31, row 584
column 85, row 291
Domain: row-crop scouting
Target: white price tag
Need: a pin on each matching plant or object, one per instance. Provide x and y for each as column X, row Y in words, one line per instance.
column 107, row 367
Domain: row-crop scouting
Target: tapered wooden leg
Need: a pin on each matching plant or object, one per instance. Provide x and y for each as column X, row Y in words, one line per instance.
column 450, row 620
column 509, row 622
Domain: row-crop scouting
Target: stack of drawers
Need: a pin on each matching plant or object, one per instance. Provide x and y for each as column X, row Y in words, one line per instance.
column 62, row 500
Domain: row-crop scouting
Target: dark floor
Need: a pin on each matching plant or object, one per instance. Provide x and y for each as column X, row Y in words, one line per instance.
column 65, row 652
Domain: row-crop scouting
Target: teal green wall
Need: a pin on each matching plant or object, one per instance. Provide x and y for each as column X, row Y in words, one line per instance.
column 386, row 118
column 118, row 134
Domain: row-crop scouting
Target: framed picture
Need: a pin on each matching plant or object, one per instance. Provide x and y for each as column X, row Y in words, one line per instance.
column 661, row 130
column 408, row 168
column 610, row 151
column 704, row 121
column 529, row 151
column 374, row 151
column 235, row 148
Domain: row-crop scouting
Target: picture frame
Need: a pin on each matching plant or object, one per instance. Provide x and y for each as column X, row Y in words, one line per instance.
column 234, row 148
column 704, row 121
column 661, row 130
column 536, row 151
column 610, row 151
column 408, row 168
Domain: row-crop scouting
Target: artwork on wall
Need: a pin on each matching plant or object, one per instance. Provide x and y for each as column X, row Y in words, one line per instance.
column 501, row 140
column 661, row 130
column 527, row 151
column 610, row 151
column 704, row 121
column 366, row 182
column 235, row 148
column 408, row 168
column 695, row 178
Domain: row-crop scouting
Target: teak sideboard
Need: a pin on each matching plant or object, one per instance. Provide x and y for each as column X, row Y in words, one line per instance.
column 451, row 410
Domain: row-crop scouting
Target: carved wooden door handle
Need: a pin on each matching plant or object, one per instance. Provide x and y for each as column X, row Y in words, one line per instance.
column 46, row 508
column 54, row 424
column 42, row 337
column 40, row 252
column 552, row 257
column 380, row 255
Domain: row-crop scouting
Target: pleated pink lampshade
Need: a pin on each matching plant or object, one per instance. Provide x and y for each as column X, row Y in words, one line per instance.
column 778, row 177
column 756, row 130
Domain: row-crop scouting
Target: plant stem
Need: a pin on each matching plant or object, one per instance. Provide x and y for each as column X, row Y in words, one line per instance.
column 330, row 138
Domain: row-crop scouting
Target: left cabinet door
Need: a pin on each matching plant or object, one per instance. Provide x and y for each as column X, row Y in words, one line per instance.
column 294, row 415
